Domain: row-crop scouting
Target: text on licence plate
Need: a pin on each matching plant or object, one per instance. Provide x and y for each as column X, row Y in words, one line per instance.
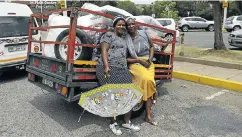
column 48, row 82
column 16, row 48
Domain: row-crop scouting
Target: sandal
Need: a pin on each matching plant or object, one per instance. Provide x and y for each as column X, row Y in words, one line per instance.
column 152, row 122
column 154, row 101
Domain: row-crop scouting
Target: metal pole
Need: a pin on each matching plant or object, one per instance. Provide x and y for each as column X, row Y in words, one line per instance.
column 181, row 53
column 225, row 16
column 41, row 10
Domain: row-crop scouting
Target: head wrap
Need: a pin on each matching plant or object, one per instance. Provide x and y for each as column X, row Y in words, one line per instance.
column 115, row 20
column 130, row 17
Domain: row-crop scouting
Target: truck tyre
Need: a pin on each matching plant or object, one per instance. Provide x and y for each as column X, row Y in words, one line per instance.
column 80, row 53
column 185, row 28
column 169, row 37
column 138, row 110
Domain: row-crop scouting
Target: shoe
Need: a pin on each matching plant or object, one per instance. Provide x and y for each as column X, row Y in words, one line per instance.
column 131, row 126
column 115, row 129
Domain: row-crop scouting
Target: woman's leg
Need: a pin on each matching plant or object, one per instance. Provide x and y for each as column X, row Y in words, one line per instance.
column 148, row 112
column 114, row 127
column 127, row 122
column 155, row 97
column 127, row 117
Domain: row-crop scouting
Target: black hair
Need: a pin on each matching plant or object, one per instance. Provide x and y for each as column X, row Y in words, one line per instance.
column 116, row 20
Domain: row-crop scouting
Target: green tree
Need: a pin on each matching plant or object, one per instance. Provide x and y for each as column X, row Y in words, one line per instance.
column 165, row 9
column 128, row 6
column 184, row 6
column 239, row 6
column 204, row 10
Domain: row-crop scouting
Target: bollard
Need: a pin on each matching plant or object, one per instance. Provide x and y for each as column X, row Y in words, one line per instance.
column 181, row 53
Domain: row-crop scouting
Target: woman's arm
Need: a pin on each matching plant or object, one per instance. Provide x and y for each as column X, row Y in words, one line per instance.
column 104, row 55
column 132, row 60
column 151, row 49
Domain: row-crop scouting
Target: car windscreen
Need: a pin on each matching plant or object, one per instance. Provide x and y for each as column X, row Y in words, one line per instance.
column 14, row 26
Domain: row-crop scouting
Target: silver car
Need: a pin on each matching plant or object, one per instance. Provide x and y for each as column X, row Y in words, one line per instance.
column 235, row 38
column 187, row 23
column 233, row 23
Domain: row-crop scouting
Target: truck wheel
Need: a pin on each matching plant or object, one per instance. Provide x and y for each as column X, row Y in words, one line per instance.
column 80, row 53
column 168, row 37
column 185, row 28
column 138, row 109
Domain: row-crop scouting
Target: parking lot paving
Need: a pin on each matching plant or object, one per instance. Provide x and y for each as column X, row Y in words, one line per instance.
column 183, row 109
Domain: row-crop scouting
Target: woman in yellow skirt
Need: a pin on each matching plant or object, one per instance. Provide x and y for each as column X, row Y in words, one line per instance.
column 141, row 52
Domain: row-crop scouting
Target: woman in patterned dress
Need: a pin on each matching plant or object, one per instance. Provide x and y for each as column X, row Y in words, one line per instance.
column 141, row 52
column 113, row 62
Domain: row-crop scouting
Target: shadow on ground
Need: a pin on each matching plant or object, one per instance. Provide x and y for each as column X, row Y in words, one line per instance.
column 8, row 76
column 239, row 49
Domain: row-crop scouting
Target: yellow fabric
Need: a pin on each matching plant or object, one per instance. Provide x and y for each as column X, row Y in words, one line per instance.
column 144, row 77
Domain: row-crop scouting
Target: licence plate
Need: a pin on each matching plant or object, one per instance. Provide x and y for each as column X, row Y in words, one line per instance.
column 16, row 48
column 48, row 82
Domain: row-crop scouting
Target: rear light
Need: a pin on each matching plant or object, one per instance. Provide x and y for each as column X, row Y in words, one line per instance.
column 64, row 91
column 31, row 77
column 61, row 90
column 36, row 63
column 53, row 68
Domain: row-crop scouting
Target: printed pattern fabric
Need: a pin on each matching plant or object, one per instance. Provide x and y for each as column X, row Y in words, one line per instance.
column 117, row 75
column 117, row 51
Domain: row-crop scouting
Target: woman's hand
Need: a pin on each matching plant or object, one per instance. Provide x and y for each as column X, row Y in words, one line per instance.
column 144, row 63
column 106, row 69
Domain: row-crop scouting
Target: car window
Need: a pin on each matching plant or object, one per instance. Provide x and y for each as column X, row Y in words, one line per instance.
column 14, row 26
column 239, row 18
column 199, row 19
column 164, row 22
column 168, row 22
column 189, row 19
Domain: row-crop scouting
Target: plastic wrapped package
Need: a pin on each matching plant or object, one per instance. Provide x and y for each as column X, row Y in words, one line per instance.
column 94, row 21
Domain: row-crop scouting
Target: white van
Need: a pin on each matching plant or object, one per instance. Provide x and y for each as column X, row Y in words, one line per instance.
column 14, row 28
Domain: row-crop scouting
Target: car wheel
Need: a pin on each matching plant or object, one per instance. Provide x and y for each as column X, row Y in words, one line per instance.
column 138, row 109
column 236, row 28
column 211, row 27
column 168, row 37
column 185, row 28
column 80, row 53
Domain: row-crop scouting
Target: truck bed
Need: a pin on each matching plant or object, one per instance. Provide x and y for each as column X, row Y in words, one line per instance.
column 50, row 74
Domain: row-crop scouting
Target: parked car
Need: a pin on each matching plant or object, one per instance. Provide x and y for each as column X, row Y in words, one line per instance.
column 187, row 23
column 169, row 23
column 233, row 23
column 235, row 38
